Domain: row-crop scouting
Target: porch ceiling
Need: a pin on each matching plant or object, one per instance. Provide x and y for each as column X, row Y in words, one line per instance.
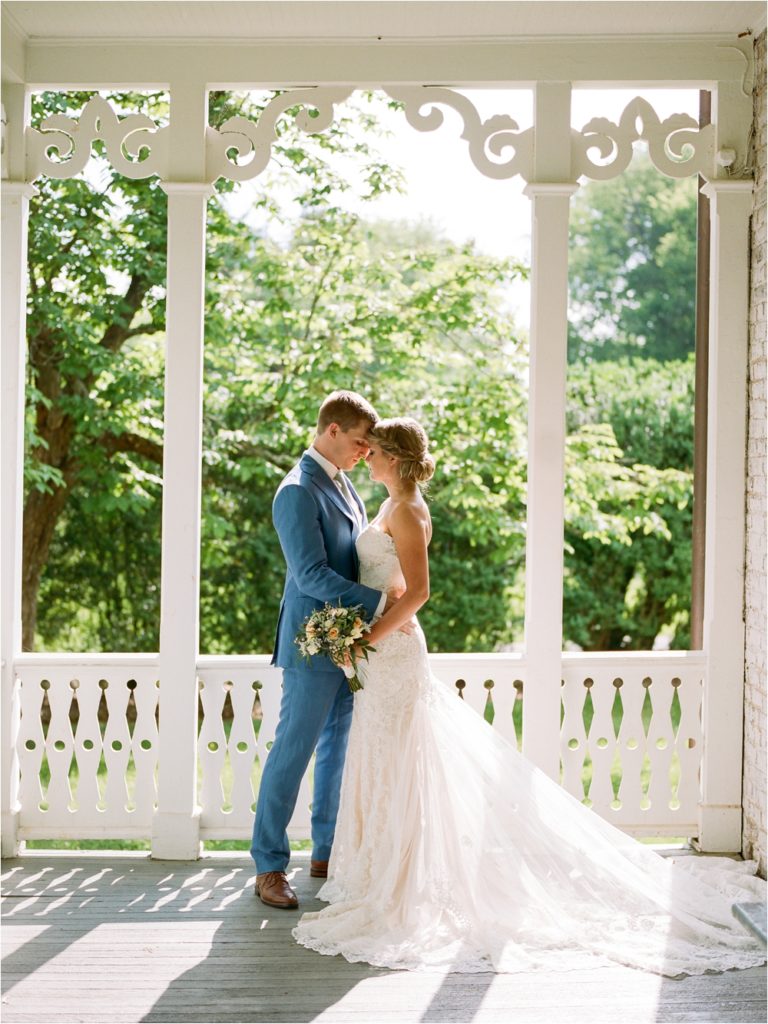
column 392, row 20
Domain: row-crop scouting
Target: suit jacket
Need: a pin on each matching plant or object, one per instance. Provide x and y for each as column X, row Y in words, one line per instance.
column 317, row 533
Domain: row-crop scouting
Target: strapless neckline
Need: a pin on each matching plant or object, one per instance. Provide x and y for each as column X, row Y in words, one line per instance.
column 383, row 533
column 377, row 555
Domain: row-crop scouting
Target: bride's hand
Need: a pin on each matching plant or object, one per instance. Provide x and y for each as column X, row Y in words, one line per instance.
column 358, row 653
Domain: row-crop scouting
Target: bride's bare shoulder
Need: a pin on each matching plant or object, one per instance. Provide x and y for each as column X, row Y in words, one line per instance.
column 410, row 516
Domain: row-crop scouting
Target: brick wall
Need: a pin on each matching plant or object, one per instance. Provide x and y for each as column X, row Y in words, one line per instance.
column 755, row 603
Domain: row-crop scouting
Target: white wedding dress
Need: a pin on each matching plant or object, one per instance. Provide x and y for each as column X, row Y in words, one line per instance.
column 453, row 852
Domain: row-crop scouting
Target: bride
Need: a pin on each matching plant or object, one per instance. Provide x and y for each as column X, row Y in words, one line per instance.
column 452, row 851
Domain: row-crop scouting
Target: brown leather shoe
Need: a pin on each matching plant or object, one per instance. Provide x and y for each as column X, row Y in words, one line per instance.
column 318, row 869
column 272, row 888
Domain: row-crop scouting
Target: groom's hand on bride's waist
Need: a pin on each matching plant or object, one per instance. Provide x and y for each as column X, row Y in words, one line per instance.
column 393, row 596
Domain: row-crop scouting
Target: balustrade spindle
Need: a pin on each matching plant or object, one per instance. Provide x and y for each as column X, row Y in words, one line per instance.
column 632, row 739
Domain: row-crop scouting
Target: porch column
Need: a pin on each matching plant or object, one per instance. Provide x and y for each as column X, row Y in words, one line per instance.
column 176, row 825
column 550, row 194
column 720, row 808
column 16, row 193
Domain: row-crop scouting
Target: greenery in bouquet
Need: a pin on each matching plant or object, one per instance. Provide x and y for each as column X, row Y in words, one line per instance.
column 340, row 634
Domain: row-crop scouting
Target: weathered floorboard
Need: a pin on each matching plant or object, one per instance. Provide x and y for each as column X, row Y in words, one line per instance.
column 123, row 939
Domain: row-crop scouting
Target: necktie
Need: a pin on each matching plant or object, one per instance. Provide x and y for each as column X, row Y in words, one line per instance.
column 341, row 482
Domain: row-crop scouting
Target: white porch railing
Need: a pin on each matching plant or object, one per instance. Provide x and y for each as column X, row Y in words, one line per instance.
column 88, row 742
column 642, row 735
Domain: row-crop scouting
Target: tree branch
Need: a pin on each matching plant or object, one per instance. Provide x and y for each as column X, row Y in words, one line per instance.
column 150, row 328
column 280, row 460
column 119, row 330
column 130, row 442
column 139, row 445
column 321, row 283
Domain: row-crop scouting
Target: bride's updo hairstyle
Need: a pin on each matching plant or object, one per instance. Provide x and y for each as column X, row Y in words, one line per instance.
column 406, row 440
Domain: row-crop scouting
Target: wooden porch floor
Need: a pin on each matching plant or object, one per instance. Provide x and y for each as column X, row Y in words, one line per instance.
column 121, row 938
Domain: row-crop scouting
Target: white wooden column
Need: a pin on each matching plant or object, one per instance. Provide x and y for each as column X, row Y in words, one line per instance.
column 16, row 193
column 720, row 808
column 176, row 825
column 550, row 192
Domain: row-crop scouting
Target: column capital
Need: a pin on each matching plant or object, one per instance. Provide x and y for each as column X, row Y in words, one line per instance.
column 550, row 188
column 187, row 188
column 728, row 187
column 14, row 189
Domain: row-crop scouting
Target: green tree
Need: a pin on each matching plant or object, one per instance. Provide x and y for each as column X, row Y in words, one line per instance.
column 628, row 557
column 633, row 266
column 631, row 378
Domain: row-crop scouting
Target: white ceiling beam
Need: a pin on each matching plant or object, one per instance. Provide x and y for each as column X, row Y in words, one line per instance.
column 394, row 20
column 641, row 62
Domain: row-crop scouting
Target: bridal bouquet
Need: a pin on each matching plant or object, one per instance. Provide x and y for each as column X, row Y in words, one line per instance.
column 338, row 633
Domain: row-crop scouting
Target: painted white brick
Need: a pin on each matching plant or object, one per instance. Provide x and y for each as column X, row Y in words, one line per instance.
column 755, row 599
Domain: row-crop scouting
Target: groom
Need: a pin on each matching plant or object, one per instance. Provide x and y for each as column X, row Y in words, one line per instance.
column 317, row 515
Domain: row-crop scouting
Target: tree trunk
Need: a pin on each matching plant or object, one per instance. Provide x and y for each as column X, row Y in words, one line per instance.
column 56, row 431
column 41, row 513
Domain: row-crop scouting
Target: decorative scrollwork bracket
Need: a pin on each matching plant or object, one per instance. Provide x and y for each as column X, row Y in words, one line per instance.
column 486, row 138
column 677, row 146
column 136, row 147
column 240, row 138
column 241, row 149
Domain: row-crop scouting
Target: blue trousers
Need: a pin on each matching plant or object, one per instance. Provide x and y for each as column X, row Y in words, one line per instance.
column 315, row 714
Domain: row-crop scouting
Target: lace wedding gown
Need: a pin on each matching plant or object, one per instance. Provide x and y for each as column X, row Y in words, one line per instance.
column 453, row 852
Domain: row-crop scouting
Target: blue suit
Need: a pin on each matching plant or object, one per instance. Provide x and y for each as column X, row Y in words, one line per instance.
column 317, row 532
